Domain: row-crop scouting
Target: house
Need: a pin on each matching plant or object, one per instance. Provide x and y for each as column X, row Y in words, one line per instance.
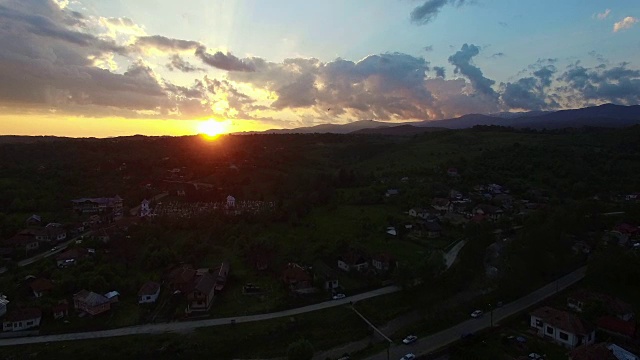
column 297, row 279
column 70, row 257
column 383, row 262
column 392, row 231
column 562, row 327
column 455, row 195
column 353, row 261
column 491, row 212
column 325, row 275
column 91, row 303
column 113, row 296
column 621, row 353
column 41, row 286
column 34, row 220
column 60, row 310
column 616, row 326
column 40, row 234
column 56, row 234
column 180, row 279
column 392, row 192
column 145, row 208
column 22, row 319
column 627, row 229
column 442, row 205
column 22, row 243
column 3, row 304
column 421, row 213
column 99, row 205
column 201, row 296
column 581, row 299
column 453, row 172
column 433, row 229
column 495, row 188
column 222, row 273
column 149, row 292
column 231, row 202
column 592, row 352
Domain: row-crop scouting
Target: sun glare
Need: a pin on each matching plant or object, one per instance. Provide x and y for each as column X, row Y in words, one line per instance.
column 213, row 128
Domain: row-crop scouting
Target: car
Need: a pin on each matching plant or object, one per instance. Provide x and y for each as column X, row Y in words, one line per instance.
column 339, row 296
column 408, row 356
column 409, row 339
column 535, row 356
column 476, row 314
column 54, row 248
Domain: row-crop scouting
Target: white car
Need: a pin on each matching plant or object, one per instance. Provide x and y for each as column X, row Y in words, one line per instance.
column 339, row 296
column 535, row 356
column 476, row 314
column 409, row 339
column 408, row 356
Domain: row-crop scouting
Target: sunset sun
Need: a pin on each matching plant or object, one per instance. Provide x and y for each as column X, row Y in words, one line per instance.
column 214, row 128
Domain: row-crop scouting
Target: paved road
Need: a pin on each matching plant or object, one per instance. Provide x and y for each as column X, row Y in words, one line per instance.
column 59, row 248
column 452, row 334
column 190, row 325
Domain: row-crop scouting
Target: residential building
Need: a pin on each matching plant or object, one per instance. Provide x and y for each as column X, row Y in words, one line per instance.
column 99, row 205
column 297, row 279
column 592, row 352
column 353, row 261
column 442, row 205
column 22, row 243
column 145, row 208
column 149, row 292
column 60, row 310
column 22, row 319
column 383, row 262
column 201, row 297
column 562, row 327
column 113, row 296
column 181, row 278
column 3, row 304
column 70, row 257
column 41, row 286
column 222, row 273
column 91, row 303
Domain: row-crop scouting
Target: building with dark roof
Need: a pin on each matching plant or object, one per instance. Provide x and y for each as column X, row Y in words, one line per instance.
column 562, row 327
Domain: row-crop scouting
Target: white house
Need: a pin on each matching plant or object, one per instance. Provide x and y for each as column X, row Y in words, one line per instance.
column 149, row 292
column 3, row 304
column 353, row 261
column 231, row 201
column 145, row 208
column 561, row 327
column 22, row 319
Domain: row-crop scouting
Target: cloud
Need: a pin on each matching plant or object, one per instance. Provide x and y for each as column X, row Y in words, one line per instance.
column 603, row 15
column 530, row 93
column 179, row 63
column 223, row 61
column 430, row 9
column 439, row 70
column 625, row 23
column 428, row 48
column 166, row 44
column 619, row 84
column 498, row 55
column 461, row 61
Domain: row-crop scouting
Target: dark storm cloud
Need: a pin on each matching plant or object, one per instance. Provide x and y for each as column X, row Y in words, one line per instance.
column 619, row 84
column 430, row 9
column 179, row 63
column 461, row 61
column 531, row 93
column 223, row 61
column 440, row 71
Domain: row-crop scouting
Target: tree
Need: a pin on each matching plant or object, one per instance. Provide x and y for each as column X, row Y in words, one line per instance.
column 300, row 350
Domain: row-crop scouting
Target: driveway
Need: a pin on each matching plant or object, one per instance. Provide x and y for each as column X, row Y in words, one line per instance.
column 451, row 255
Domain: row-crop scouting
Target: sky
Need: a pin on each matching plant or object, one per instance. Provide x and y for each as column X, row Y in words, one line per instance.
column 120, row 67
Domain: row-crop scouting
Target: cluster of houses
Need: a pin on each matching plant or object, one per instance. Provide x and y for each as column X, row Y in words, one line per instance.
column 301, row 280
column 625, row 235
column 178, row 209
column 568, row 328
column 36, row 235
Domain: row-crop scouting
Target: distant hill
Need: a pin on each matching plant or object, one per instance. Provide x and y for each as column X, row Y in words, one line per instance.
column 401, row 130
column 19, row 139
column 332, row 128
column 607, row 115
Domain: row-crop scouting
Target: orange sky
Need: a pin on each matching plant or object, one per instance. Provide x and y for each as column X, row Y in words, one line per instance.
column 70, row 126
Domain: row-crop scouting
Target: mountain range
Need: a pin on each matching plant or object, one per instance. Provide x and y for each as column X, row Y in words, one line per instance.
column 607, row 115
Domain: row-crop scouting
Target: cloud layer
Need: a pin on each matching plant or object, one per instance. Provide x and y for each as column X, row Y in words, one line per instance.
column 625, row 23
column 55, row 59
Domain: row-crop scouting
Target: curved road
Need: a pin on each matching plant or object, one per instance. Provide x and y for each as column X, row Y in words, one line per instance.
column 190, row 325
column 445, row 337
